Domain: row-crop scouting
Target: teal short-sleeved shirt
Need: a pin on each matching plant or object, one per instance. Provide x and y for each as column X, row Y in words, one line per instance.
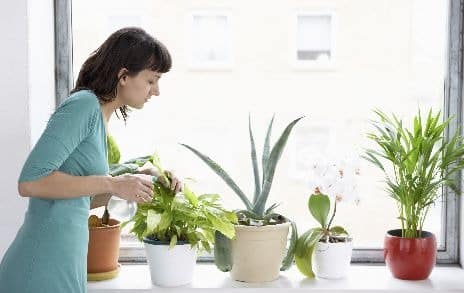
column 49, row 253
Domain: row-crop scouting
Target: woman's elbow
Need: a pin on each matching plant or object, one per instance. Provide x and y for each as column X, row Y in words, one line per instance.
column 24, row 189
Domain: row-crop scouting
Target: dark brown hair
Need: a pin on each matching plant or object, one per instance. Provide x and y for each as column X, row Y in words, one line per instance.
column 131, row 48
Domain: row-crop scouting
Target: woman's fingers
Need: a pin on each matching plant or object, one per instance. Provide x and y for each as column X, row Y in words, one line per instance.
column 178, row 187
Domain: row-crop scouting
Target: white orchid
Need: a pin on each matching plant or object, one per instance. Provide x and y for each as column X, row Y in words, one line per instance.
column 336, row 177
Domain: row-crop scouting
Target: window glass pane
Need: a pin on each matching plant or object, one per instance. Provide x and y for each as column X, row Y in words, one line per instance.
column 390, row 55
column 209, row 39
column 314, row 37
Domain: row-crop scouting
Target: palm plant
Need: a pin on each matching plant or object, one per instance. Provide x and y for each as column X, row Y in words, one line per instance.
column 255, row 212
column 423, row 161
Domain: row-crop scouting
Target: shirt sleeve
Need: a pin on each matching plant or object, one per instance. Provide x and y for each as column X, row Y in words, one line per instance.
column 71, row 123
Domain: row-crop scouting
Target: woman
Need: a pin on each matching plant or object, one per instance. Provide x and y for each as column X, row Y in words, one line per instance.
column 68, row 166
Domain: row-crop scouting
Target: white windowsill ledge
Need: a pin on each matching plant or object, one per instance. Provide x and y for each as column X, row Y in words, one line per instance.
column 362, row 278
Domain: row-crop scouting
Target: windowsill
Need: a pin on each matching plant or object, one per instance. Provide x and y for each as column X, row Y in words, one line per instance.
column 136, row 278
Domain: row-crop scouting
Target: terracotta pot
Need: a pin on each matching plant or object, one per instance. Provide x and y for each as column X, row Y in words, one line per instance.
column 258, row 252
column 410, row 258
column 103, row 253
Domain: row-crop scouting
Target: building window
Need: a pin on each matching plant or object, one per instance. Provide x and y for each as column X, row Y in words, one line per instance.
column 314, row 38
column 209, row 41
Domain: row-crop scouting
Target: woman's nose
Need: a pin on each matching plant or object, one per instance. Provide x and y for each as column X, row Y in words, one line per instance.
column 154, row 92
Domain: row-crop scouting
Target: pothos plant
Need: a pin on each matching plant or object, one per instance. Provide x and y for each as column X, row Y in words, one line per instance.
column 171, row 217
column 319, row 207
column 255, row 212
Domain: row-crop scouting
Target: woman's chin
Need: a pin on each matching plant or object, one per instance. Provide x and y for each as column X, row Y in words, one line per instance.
column 137, row 106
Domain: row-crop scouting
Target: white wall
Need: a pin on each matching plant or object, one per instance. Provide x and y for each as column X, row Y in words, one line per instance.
column 461, row 233
column 27, row 94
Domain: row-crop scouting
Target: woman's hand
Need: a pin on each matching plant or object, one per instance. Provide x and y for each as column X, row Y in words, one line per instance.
column 175, row 184
column 133, row 187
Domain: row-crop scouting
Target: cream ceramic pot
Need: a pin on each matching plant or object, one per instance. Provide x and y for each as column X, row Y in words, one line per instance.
column 258, row 252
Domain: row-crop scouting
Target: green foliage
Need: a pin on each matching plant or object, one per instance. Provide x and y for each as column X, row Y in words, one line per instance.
column 113, row 151
column 182, row 217
column 304, row 250
column 319, row 207
column 131, row 166
column 422, row 161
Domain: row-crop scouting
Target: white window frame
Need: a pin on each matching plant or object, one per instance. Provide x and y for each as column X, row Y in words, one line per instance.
column 313, row 64
column 211, row 65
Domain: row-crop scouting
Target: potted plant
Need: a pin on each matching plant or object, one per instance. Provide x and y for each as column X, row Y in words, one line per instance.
column 174, row 228
column 259, row 250
column 104, row 235
column 325, row 251
column 421, row 160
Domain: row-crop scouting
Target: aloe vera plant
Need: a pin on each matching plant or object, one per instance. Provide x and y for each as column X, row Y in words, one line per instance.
column 255, row 211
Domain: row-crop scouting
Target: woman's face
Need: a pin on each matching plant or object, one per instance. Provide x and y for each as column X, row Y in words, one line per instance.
column 135, row 91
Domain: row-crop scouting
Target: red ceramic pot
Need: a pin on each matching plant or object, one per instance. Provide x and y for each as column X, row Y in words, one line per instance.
column 410, row 258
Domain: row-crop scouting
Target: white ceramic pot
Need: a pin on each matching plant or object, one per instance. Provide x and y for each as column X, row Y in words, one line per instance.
column 170, row 267
column 258, row 252
column 332, row 260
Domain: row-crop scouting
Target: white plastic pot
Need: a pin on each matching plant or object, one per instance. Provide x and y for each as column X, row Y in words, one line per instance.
column 332, row 260
column 170, row 267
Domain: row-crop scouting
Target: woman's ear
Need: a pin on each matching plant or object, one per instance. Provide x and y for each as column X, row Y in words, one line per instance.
column 122, row 75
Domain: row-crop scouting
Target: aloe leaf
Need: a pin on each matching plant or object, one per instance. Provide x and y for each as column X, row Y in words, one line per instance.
column 319, row 206
column 267, row 148
column 221, row 173
column 271, row 208
column 271, row 167
column 254, row 162
column 288, row 259
column 222, row 252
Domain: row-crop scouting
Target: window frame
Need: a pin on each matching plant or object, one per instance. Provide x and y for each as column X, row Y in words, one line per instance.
column 453, row 104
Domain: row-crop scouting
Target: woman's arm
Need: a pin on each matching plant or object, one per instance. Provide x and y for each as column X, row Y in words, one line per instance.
column 62, row 185
column 100, row 200
column 59, row 185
